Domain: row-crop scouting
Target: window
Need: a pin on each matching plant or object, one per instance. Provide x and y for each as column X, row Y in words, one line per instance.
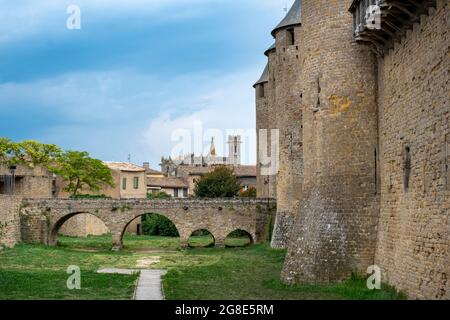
column 447, row 161
column 175, row 193
column 406, row 166
column 124, row 184
column 185, row 193
column 261, row 91
column 290, row 37
column 136, row 182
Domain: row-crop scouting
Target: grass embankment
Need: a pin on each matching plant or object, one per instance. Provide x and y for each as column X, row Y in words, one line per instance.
column 39, row 272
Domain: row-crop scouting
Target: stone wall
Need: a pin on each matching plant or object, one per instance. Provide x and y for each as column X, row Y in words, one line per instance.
column 413, row 237
column 335, row 232
column 83, row 225
column 9, row 220
column 289, row 122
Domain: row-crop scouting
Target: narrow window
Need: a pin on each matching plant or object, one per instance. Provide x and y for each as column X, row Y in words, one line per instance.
column 175, row 193
column 261, row 91
column 291, row 37
column 124, row 183
column 136, row 183
column 447, row 161
column 185, row 192
column 407, row 166
column 376, row 171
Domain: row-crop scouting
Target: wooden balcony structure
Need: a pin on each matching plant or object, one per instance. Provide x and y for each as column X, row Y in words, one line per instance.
column 395, row 18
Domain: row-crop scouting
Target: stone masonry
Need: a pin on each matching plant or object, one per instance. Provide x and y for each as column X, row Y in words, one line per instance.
column 42, row 219
column 367, row 181
column 9, row 220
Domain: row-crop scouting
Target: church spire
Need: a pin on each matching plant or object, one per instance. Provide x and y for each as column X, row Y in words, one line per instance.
column 212, row 149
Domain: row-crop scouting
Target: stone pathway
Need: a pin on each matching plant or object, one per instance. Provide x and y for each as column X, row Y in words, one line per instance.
column 149, row 282
column 149, row 285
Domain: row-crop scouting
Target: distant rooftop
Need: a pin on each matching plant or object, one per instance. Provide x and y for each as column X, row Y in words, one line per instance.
column 292, row 18
column 124, row 166
column 167, row 182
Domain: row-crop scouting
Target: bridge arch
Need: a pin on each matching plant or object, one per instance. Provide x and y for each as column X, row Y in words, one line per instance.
column 118, row 243
column 243, row 232
column 55, row 227
column 202, row 230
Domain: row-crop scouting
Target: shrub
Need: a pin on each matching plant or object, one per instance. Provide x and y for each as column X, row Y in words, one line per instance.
column 158, row 195
column 220, row 183
column 157, row 225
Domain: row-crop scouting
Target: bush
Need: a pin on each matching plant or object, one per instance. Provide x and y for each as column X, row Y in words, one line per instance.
column 221, row 183
column 89, row 196
column 249, row 193
column 157, row 225
column 158, row 195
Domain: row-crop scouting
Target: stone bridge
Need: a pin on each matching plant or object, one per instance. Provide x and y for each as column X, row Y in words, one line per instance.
column 42, row 219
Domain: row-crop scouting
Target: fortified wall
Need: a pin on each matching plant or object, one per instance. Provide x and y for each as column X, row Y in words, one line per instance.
column 9, row 220
column 372, row 185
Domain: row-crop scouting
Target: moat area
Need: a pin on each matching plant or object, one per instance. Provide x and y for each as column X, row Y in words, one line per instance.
column 250, row 272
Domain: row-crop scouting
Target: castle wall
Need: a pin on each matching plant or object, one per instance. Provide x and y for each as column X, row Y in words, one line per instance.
column 262, row 123
column 9, row 220
column 335, row 231
column 272, row 119
column 413, row 237
column 288, row 121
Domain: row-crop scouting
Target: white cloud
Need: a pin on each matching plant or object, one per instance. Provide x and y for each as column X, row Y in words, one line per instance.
column 227, row 106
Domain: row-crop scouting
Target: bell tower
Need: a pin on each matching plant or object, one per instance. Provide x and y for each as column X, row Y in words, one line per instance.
column 234, row 150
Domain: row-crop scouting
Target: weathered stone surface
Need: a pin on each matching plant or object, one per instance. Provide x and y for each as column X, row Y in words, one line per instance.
column 42, row 219
column 414, row 111
column 368, row 180
column 9, row 220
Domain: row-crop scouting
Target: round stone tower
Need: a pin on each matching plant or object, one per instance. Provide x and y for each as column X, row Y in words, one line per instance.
column 288, row 110
column 262, row 123
column 272, row 121
column 335, row 231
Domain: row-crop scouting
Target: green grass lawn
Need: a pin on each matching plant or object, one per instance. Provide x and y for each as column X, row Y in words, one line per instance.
column 251, row 272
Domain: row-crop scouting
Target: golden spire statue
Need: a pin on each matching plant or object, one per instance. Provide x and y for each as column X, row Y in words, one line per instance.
column 212, row 149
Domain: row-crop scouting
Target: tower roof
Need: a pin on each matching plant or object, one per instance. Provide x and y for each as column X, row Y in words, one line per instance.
column 264, row 77
column 212, row 149
column 292, row 18
column 271, row 48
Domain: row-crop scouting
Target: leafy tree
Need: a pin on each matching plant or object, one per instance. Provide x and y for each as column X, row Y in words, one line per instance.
column 220, row 183
column 36, row 153
column 9, row 152
column 249, row 193
column 157, row 225
column 79, row 170
column 159, row 195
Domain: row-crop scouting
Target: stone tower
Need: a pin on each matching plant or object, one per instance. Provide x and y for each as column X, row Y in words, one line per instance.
column 234, row 150
column 335, row 232
column 285, row 62
column 262, row 123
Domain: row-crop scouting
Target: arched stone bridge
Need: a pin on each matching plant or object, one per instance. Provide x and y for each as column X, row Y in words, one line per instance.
column 42, row 219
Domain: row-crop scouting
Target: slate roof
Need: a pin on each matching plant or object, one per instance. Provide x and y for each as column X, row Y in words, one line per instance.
column 264, row 77
column 292, row 18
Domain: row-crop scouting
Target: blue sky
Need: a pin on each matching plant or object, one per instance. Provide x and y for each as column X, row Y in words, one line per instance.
column 137, row 72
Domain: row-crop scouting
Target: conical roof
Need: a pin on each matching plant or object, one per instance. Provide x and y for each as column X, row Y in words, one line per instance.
column 292, row 18
column 264, row 77
column 272, row 47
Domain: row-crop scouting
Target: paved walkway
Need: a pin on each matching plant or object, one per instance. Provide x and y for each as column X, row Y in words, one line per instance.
column 149, row 282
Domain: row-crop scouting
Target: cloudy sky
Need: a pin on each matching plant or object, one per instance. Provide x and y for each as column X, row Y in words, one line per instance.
column 138, row 78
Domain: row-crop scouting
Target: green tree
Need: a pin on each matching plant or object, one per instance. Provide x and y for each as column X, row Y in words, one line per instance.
column 35, row 153
column 220, row 183
column 157, row 225
column 79, row 170
column 10, row 152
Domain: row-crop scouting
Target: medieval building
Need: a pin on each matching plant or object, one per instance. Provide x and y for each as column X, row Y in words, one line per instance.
column 358, row 92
